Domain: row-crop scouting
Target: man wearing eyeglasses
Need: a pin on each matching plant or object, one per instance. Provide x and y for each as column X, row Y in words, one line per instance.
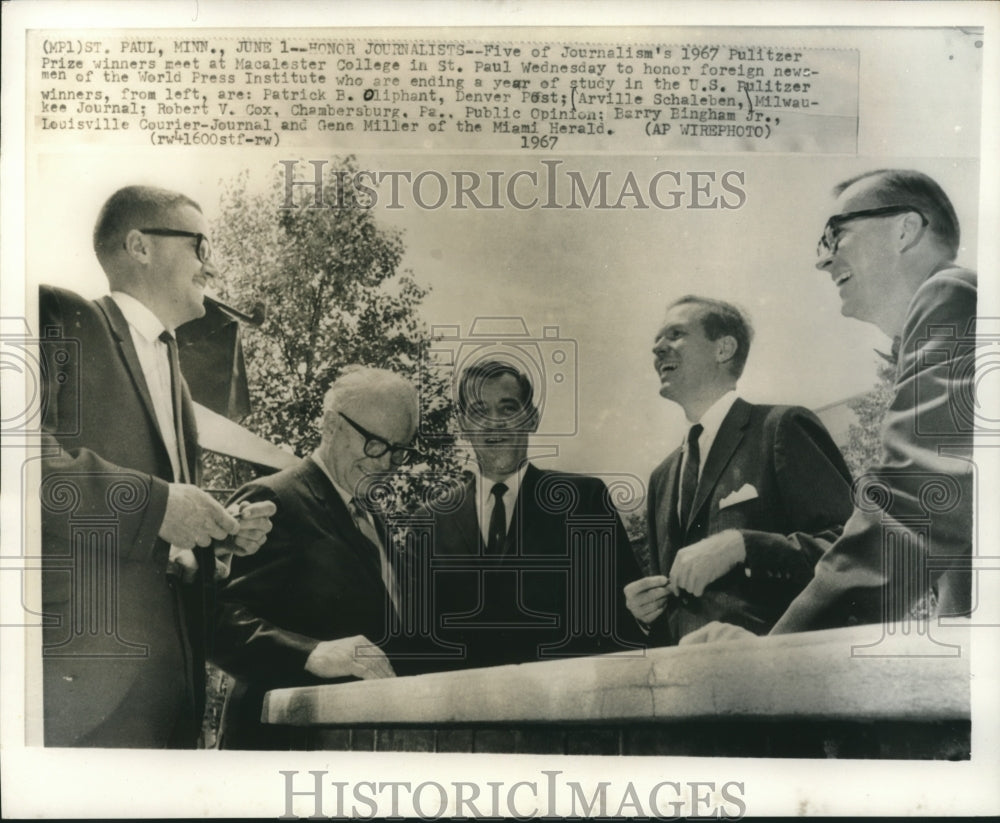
column 889, row 249
column 313, row 605
column 128, row 571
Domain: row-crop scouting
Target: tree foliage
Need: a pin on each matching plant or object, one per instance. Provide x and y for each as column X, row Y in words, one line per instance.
column 864, row 439
column 864, row 447
column 333, row 296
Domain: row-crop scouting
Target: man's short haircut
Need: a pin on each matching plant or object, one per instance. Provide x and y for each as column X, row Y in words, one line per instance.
column 478, row 373
column 133, row 207
column 722, row 319
column 905, row 187
column 358, row 385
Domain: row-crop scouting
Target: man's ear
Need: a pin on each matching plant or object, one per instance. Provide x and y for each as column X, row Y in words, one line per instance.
column 137, row 245
column 327, row 424
column 910, row 229
column 725, row 349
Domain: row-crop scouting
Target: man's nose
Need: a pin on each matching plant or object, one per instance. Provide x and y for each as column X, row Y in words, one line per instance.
column 384, row 462
column 660, row 346
column 209, row 269
column 825, row 258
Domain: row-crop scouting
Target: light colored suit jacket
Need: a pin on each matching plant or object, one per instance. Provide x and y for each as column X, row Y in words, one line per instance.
column 912, row 525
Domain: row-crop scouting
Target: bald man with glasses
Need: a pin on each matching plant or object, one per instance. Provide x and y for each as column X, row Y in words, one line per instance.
column 315, row 603
column 127, row 535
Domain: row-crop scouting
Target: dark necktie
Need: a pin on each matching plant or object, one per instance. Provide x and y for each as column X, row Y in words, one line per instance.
column 498, row 521
column 204, row 556
column 689, row 477
column 175, row 396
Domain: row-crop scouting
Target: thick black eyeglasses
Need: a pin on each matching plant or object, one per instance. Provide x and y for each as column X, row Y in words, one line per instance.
column 203, row 247
column 831, row 232
column 376, row 446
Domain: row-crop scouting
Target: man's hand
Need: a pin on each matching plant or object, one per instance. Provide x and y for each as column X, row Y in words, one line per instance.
column 254, row 524
column 349, row 656
column 697, row 565
column 646, row 597
column 716, row 631
column 194, row 518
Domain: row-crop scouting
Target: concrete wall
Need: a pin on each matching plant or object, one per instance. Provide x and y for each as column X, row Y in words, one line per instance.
column 858, row 692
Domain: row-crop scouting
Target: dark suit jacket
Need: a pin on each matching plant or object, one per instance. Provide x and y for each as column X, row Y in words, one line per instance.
column 803, row 497
column 315, row 578
column 123, row 654
column 555, row 592
column 917, row 502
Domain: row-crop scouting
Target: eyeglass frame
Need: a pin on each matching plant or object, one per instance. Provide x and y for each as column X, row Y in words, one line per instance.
column 202, row 239
column 381, row 445
column 837, row 220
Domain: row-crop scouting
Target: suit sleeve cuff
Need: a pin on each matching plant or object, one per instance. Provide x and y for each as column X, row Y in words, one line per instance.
column 769, row 556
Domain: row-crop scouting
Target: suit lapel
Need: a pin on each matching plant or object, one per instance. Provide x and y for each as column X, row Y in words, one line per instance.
column 729, row 437
column 119, row 327
column 341, row 521
column 526, row 510
column 467, row 521
column 673, row 519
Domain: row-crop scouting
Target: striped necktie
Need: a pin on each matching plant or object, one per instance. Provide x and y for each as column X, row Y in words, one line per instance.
column 367, row 528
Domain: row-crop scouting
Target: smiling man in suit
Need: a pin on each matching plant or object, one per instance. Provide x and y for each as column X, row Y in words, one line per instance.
column 739, row 515
column 128, row 575
column 315, row 604
column 538, row 557
column 889, row 248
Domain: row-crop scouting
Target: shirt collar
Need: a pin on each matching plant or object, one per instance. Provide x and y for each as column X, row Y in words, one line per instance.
column 513, row 482
column 711, row 420
column 139, row 316
column 344, row 494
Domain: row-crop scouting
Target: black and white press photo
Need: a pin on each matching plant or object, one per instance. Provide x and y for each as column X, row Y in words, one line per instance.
column 482, row 415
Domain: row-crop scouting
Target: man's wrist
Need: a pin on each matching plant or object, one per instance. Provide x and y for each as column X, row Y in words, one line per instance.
column 736, row 546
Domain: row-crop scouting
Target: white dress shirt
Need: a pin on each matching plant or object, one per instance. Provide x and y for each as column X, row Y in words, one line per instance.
column 711, row 422
column 154, row 361
column 485, row 501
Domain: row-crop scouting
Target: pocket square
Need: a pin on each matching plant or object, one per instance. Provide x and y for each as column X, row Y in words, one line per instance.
column 741, row 495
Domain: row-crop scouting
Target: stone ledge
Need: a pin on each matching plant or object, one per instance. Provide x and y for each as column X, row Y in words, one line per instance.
column 857, row 673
